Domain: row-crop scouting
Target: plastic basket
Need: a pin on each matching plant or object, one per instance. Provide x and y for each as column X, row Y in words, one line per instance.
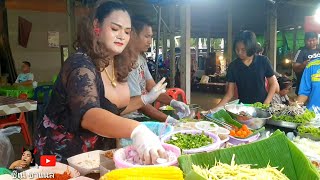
column 155, row 127
column 119, row 157
column 215, row 145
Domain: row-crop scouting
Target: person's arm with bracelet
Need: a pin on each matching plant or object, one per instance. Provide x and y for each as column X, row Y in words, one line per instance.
column 272, row 81
column 273, row 87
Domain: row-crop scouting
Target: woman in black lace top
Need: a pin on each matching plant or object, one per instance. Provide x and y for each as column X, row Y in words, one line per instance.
column 91, row 92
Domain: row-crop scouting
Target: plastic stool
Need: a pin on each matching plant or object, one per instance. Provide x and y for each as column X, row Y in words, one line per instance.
column 174, row 93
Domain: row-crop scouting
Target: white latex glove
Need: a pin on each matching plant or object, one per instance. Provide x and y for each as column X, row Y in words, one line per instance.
column 158, row 89
column 171, row 120
column 182, row 109
column 147, row 144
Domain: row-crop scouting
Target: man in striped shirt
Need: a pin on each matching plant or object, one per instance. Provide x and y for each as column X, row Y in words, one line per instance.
column 304, row 54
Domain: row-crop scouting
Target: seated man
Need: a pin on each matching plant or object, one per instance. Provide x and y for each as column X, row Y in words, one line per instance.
column 140, row 80
column 26, row 77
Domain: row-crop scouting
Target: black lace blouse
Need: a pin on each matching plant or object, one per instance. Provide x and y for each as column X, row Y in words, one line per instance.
column 78, row 88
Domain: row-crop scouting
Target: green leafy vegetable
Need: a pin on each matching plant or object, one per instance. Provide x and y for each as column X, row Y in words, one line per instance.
column 260, row 105
column 314, row 131
column 303, row 118
column 169, row 108
column 190, row 141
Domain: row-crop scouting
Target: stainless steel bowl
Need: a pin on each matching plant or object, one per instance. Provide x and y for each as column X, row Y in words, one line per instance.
column 256, row 117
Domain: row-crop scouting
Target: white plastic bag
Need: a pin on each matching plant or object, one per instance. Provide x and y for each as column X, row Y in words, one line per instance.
column 6, row 149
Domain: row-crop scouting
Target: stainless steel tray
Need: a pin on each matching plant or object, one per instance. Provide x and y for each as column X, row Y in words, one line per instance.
column 284, row 124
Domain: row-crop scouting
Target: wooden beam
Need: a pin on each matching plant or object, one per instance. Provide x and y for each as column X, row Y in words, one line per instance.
column 272, row 35
column 229, row 34
column 172, row 26
column 158, row 43
column 185, row 71
column 165, row 44
column 37, row 5
column 71, row 25
column 208, row 45
column 197, row 50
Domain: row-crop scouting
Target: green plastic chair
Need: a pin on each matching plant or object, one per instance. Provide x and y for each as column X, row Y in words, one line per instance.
column 54, row 78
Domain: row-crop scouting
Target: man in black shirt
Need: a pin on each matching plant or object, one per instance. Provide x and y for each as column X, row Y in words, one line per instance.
column 304, row 55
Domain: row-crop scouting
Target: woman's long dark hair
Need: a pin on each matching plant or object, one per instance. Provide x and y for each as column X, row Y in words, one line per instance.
column 95, row 48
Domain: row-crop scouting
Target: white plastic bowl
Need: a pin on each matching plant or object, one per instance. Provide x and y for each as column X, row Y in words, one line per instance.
column 79, row 162
column 58, row 168
column 119, row 157
column 207, row 126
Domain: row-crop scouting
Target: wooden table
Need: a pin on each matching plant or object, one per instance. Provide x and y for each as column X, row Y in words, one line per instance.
column 10, row 105
column 213, row 87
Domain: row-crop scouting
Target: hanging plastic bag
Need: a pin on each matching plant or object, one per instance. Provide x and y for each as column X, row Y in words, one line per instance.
column 6, row 149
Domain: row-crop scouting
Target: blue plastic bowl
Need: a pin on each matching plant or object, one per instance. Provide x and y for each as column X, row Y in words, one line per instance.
column 155, row 127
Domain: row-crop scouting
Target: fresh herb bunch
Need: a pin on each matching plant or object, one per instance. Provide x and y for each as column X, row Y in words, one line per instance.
column 302, row 118
column 260, row 105
column 314, row 131
column 190, row 141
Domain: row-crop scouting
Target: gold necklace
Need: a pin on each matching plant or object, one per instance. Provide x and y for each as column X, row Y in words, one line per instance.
column 113, row 79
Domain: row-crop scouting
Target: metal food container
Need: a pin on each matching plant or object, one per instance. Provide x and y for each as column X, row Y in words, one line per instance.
column 256, row 117
column 284, row 124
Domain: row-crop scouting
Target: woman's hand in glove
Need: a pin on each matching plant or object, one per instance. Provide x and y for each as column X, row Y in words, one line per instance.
column 155, row 92
column 147, row 144
column 171, row 120
column 182, row 109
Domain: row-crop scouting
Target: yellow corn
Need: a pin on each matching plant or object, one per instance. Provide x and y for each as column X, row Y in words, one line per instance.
column 145, row 173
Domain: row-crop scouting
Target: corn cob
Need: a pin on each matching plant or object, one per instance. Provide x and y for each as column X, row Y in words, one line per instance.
column 145, row 173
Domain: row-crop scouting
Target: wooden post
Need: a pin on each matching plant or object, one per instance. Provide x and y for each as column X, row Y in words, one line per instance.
column 197, row 50
column 165, row 44
column 172, row 26
column 158, row 43
column 208, row 45
column 295, row 31
column 71, row 25
column 294, row 48
column 272, row 34
column 229, row 36
column 185, row 71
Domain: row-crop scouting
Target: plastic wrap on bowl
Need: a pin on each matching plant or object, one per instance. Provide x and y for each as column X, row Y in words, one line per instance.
column 120, row 157
column 86, row 163
column 215, row 145
column 237, row 141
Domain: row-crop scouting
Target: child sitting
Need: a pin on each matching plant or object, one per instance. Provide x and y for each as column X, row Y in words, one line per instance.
column 26, row 77
column 282, row 97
